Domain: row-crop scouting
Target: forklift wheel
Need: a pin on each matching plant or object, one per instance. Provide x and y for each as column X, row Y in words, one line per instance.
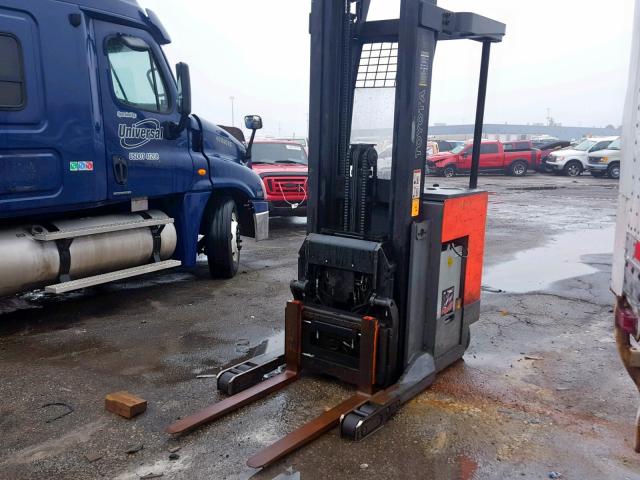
column 222, row 242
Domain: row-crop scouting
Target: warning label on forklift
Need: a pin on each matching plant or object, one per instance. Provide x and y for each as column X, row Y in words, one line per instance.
column 417, row 177
column 447, row 301
column 415, row 193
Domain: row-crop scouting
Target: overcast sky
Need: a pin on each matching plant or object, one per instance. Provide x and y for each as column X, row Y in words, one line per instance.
column 569, row 56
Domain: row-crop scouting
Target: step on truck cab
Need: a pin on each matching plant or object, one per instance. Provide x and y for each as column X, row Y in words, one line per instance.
column 104, row 171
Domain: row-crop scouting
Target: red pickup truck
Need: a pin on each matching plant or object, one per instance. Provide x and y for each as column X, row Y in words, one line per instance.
column 283, row 166
column 493, row 159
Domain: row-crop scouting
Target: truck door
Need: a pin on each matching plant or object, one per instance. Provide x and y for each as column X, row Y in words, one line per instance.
column 464, row 160
column 490, row 157
column 139, row 96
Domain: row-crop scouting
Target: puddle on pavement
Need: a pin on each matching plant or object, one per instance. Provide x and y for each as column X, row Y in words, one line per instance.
column 560, row 259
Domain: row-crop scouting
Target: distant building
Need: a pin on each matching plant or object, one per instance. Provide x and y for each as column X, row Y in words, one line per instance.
column 507, row 132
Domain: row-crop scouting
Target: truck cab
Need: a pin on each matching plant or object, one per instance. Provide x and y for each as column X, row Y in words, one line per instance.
column 283, row 166
column 94, row 122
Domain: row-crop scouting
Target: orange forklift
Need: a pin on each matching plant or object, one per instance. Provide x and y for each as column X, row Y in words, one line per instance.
column 389, row 274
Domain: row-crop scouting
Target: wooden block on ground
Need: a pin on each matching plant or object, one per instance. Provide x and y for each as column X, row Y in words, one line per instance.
column 125, row 404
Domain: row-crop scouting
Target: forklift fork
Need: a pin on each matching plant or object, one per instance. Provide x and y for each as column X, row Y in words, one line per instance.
column 246, row 380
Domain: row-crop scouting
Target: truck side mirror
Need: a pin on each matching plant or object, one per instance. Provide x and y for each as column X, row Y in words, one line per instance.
column 171, row 129
column 184, row 89
column 253, row 123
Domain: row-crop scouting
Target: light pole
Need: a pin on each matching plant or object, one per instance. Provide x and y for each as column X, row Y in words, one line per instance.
column 233, row 115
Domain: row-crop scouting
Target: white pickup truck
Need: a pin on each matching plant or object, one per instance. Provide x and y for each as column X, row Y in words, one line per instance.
column 573, row 161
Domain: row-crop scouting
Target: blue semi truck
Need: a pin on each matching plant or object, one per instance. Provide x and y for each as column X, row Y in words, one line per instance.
column 105, row 173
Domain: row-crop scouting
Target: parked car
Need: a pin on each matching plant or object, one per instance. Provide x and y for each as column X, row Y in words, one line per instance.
column 433, row 148
column 493, row 158
column 539, row 142
column 444, row 145
column 606, row 162
column 546, row 149
column 573, row 161
column 282, row 165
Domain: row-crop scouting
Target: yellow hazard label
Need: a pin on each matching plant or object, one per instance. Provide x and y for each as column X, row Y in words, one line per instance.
column 415, row 207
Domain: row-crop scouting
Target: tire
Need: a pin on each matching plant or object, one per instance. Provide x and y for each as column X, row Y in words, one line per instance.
column 613, row 171
column 222, row 239
column 449, row 171
column 597, row 173
column 518, row 168
column 572, row 169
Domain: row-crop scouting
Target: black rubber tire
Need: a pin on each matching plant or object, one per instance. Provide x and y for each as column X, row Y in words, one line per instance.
column 449, row 171
column 597, row 173
column 613, row 171
column 518, row 168
column 219, row 239
column 569, row 171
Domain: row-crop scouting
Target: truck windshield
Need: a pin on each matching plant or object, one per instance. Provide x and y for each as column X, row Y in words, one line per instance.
column 458, row 149
column 615, row 145
column 275, row 153
column 585, row 145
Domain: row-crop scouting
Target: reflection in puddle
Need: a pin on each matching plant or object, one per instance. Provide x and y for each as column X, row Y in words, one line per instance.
column 537, row 268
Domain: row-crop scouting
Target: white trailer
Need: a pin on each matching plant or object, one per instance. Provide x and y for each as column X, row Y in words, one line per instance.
column 626, row 256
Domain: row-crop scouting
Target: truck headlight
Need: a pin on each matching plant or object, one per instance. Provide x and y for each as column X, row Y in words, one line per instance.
column 604, row 160
column 262, row 192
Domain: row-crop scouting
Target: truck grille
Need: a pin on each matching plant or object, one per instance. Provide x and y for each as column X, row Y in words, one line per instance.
column 291, row 188
column 594, row 160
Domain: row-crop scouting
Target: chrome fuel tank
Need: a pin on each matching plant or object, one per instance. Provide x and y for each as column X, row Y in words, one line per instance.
column 27, row 263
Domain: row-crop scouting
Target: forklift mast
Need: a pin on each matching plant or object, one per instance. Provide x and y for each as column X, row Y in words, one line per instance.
column 389, row 274
column 349, row 200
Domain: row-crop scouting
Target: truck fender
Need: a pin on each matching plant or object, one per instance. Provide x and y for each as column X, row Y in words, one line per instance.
column 188, row 211
column 242, row 196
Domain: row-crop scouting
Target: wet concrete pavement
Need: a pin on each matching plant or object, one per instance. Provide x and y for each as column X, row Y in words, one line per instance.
column 540, row 389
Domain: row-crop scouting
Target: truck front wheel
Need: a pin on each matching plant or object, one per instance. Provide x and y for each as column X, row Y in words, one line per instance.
column 222, row 241
column 573, row 169
column 613, row 171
